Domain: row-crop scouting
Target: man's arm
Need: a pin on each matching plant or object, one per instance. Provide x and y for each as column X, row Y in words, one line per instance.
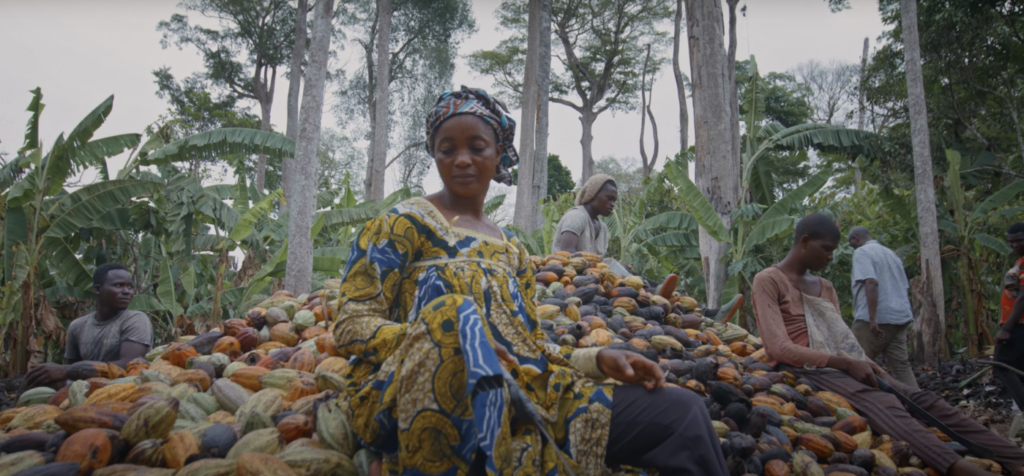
column 568, row 241
column 49, row 373
column 871, row 292
column 864, row 273
column 1015, row 314
column 129, row 352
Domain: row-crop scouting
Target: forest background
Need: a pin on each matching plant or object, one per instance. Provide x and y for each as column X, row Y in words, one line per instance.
column 799, row 65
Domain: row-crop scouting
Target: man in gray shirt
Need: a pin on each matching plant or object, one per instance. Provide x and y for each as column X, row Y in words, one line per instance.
column 111, row 334
column 881, row 308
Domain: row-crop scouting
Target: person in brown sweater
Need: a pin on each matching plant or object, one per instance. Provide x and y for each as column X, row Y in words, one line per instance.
column 779, row 296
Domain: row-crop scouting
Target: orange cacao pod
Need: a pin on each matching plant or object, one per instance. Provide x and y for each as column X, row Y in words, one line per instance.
column 180, row 445
column 302, row 360
column 178, row 354
column 91, row 448
column 301, row 387
column 120, row 392
column 195, row 377
column 226, row 344
column 816, row 444
column 231, row 327
column 285, row 334
column 846, row 442
column 84, row 417
column 776, row 467
column 293, row 427
column 249, row 377
column 311, row 332
column 248, row 339
column 851, row 425
column 136, row 366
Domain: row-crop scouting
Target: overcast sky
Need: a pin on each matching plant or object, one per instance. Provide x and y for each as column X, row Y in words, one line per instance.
column 80, row 52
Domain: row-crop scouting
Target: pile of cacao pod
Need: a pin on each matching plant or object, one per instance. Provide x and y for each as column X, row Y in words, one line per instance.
column 256, row 396
column 260, row 395
column 769, row 423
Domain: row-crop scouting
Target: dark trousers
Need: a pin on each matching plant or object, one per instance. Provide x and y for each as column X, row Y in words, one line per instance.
column 1012, row 354
column 666, row 429
column 887, row 415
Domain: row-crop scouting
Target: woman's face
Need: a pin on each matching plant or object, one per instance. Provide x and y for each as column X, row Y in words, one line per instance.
column 467, row 155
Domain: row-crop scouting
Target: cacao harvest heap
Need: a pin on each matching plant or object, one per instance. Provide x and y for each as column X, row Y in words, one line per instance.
column 240, row 397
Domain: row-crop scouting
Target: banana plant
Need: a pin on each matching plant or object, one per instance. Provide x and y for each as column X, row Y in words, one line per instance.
column 38, row 213
column 334, row 228
column 967, row 228
column 759, row 216
column 653, row 245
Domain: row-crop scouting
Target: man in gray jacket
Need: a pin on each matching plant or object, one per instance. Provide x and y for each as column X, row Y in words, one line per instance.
column 881, row 308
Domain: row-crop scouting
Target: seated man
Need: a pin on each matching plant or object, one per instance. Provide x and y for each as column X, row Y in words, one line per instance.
column 111, row 334
column 788, row 305
column 579, row 229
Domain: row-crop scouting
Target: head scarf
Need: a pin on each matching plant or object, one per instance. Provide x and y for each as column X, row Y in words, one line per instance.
column 478, row 103
column 590, row 189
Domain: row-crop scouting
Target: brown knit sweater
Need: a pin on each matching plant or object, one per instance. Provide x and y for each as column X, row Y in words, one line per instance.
column 779, row 310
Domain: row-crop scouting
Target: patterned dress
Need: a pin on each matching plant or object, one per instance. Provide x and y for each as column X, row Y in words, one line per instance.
column 421, row 303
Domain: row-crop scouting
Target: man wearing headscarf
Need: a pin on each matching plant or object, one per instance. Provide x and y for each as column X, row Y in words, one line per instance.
column 580, row 229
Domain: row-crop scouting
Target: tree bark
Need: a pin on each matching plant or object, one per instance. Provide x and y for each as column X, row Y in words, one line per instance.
column 931, row 341
column 734, row 101
column 525, row 203
column 261, row 162
column 299, row 271
column 643, row 112
column 295, row 74
column 684, row 116
column 540, row 156
column 294, row 85
column 380, row 127
column 716, row 170
column 860, row 111
column 646, row 98
column 587, row 118
column 370, row 106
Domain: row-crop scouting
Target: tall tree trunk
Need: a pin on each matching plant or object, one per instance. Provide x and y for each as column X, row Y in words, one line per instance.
column 540, row 156
column 734, row 101
column 295, row 74
column 716, row 170
column 380, row 127
column 646, row 98
column 860, row 111
column 525, row 203
column 587, row 118
column 931, row 341
column 643, row 111
column 294, row 85
column 684, row 116
column 261, row 162
column 299, row 271
column 371, row 107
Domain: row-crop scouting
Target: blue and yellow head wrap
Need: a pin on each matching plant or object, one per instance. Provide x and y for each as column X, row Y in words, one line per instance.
column 477, row 102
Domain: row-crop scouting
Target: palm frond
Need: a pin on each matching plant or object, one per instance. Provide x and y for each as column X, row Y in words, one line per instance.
column 219, row 143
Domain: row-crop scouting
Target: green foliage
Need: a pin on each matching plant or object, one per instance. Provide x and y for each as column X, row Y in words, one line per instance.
column 559, row 177
column 253, row 36
column 425, row 39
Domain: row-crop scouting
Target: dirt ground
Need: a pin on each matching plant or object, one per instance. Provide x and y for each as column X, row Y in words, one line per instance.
column 985, row 399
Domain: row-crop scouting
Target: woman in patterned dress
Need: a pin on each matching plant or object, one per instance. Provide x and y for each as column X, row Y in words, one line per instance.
column 436, row 300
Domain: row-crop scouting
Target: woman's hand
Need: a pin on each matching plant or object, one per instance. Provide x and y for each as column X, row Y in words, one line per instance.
column 504, row 354
column 630, row 367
